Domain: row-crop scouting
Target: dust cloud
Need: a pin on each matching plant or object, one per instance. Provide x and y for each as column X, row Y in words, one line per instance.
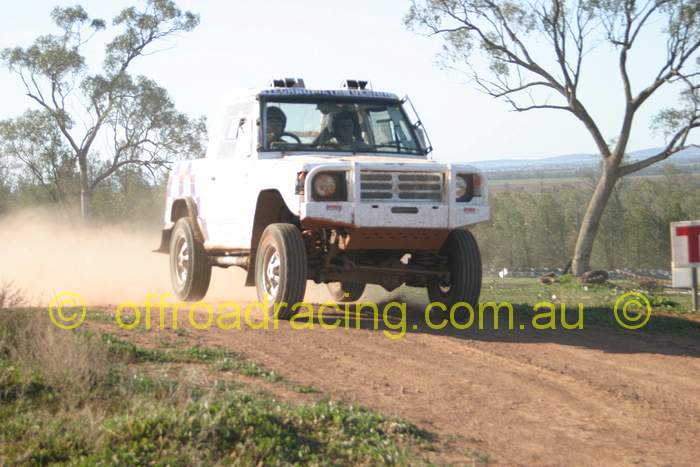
column 43, row 254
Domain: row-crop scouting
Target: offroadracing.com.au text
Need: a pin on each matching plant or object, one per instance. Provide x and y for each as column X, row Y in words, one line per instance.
column 68, row 310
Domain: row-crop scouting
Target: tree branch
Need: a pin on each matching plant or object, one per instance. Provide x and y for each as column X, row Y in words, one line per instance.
column 676, row 145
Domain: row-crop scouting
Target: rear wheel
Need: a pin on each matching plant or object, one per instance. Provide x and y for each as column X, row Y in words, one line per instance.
column 190, row 271
column 464, row 259
column 280, row 268
column 346, row 291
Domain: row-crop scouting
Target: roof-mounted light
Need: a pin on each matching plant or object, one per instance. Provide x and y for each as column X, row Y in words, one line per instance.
column 356, row 84
column 288, row 83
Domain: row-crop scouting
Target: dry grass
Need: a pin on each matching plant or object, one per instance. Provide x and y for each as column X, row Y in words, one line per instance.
column 10, row 296
column 72, row 363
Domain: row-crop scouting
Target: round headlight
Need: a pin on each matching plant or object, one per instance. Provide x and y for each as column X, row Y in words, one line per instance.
column 324, row 185
column 460, row 187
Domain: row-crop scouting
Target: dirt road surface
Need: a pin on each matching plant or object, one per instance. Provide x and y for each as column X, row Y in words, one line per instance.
column 599, row 396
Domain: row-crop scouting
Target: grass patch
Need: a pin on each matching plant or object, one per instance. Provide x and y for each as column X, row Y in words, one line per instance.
column 669, row 310
column 248, row 368
column 17, row 382
column 120, row 416
column 220, row 427
column 220, row 359
column 100, row 316
column 305, row 389
column 135, row 354
column 252, row 429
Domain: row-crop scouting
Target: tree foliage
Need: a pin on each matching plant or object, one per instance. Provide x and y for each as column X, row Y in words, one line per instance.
column 538, row 229
column 33, row 142
column 134, row 114
column 533, row 54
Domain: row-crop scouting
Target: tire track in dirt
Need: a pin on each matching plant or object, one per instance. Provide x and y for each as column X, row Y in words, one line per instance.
column 592, row 397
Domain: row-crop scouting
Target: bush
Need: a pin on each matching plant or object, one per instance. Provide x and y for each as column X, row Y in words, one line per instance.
column 71, row 362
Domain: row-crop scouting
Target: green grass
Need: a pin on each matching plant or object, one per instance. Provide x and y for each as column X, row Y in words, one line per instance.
column 305, row 389
column 17, row 382
column 136, row 354
column 221, row 359
column 248, row 368
column 219, row 426
column 125, row 417
column 671, row 312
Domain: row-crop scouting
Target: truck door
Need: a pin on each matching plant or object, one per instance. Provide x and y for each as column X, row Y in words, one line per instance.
column 228, row 175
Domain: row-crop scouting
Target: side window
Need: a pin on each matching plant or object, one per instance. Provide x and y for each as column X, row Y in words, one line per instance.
column 382, row 126
column 389, row 128
column 241, row 130
column 401, row 130
column 234, row 128
column 235, row 133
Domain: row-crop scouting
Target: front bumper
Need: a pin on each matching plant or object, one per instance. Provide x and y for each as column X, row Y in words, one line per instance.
column 377, row 214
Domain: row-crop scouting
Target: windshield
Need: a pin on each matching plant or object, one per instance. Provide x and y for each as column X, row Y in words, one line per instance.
column 337, row 125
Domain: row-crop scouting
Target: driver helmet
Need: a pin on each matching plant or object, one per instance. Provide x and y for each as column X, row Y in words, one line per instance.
column 344, row 116
column 275, row 113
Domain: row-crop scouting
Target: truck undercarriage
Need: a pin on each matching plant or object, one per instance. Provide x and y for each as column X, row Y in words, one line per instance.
column 333, row 256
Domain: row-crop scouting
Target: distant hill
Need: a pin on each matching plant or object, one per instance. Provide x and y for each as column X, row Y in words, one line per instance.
column 689, row 156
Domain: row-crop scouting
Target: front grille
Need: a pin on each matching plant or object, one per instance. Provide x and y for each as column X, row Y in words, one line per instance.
column 401, row 186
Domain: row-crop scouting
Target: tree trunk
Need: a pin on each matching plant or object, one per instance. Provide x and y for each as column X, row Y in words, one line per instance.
column 85, row 189
column 591, row 220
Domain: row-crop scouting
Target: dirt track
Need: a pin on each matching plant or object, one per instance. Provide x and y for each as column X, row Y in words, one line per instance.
column 592, row 397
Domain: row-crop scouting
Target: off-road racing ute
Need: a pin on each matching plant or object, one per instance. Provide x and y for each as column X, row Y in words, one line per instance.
column 335, row 186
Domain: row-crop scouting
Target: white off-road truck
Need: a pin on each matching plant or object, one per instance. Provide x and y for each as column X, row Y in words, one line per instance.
column 335, row 186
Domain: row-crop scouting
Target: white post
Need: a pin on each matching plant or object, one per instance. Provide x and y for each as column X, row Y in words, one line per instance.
column 694, row 284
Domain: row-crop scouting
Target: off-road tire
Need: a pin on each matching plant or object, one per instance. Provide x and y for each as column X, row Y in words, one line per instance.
column 286, row 241
column 346, row 291
column 190, row 279
column 464, row 259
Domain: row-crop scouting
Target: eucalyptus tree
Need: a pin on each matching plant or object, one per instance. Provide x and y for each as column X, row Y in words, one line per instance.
column 534, row 54
column 33, row 150
column 108, row 119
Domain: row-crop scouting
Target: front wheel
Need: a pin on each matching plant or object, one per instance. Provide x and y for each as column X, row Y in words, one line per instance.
column 190, row 271
column 280, row 269
column 346, row 291
column 464, row 259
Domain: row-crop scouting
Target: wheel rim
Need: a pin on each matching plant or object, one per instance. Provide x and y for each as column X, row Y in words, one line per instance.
column 182, row 259
column 271, row 272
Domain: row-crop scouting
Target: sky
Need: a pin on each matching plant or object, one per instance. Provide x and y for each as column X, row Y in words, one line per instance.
column 247, row 43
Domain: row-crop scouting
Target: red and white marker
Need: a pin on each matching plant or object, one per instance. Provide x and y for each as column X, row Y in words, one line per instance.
column 685, row 252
